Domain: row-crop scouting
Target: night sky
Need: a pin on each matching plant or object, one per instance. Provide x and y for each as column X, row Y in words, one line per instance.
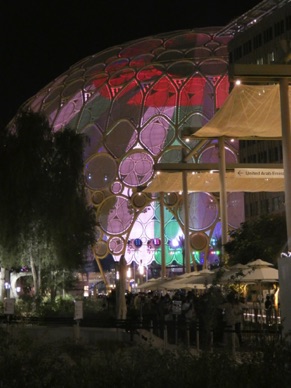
column 42, row 39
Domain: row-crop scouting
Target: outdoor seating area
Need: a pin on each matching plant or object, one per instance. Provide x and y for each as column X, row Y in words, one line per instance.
column 162, row 303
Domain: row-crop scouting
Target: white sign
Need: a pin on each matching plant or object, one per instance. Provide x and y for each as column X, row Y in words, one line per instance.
column 265, row 173
column 78, row 309
column 9, row 306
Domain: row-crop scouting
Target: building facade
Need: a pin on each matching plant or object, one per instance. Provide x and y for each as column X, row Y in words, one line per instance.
column 264, row 39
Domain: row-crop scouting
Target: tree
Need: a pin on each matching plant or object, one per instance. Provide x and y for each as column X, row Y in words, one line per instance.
column 262, row 238
column 45, row 219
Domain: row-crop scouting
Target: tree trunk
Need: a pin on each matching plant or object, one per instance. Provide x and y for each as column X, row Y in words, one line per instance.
column 2, row 284
column 34, row 275
column 121, row 285
column 39, row 277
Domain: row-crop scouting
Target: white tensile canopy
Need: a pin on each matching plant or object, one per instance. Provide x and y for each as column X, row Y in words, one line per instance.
column 210, row 183
column 250, row 111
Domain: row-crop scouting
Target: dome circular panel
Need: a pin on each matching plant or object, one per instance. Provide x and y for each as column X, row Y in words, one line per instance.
column 139, row 200
column 198, row 241
column 187, row 41
column 141, row 61
column 136, row 169
column 115, row 215
column 100, row 171
column 94, row 135
column 199, row 52
column 213, row 67
column 235, row 209
column 116, row 187
column 94, row 70
column 150, row 73
column 170, row 199
column 99, row 80
column 98, row 233
column 102, row 56
column 170, row 56
column 127, row 136
column 116, row 245
column 172, row 155
column 141, row 47
column 97, row 197
column 182, row 69
column 203, row 211
column 211, row 155
column 54, row 94
column 76, row 75
column 122, row 77
column 101, row 249
column 117, row 65
column 156, row 134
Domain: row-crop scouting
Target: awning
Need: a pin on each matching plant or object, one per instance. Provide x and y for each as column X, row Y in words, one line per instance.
column 209, row 182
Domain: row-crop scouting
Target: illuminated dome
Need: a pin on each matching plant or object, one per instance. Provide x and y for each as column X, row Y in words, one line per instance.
column 133, row 101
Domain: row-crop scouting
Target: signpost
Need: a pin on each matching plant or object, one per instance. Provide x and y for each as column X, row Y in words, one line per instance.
column 78, row 316
column 9, row 304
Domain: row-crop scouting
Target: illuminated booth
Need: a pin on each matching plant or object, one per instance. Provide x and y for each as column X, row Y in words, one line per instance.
column 134, row 101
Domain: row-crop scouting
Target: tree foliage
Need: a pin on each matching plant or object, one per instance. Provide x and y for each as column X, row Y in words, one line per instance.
column 262, row 238
column 44, row 215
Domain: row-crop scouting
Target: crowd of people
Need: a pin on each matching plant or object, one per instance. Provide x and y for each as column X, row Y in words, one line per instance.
column 183, row 313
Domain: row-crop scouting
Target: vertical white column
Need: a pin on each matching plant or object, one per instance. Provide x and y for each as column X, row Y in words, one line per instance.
column 223, row 194
column 283, row 263
column 186, row 222
column 163, row 248
column 286, row 146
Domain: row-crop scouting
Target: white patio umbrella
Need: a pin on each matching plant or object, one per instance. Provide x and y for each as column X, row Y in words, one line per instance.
column 154, row 284
column 238, row 266
column 260, row 274
column 259, row 263
column 177, row 282
column 184, row 286
column 205, row 277
column 234, row 274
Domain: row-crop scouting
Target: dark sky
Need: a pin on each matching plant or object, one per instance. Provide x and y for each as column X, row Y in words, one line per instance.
column 41, row 39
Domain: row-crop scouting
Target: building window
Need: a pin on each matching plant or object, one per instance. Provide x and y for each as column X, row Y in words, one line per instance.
column 271, row 57
column 275, row 203
column 257, row 41
column 237, row 53
column 247, row 47
column 268, row 34
column 265, row 206
column 288, row 22
column 279, row 28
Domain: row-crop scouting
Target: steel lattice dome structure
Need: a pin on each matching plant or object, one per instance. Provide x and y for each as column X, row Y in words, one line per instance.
column 133, row 102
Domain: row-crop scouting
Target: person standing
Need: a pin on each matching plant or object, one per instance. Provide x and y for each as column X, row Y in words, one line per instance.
column 238, row 313
column 268, row 310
